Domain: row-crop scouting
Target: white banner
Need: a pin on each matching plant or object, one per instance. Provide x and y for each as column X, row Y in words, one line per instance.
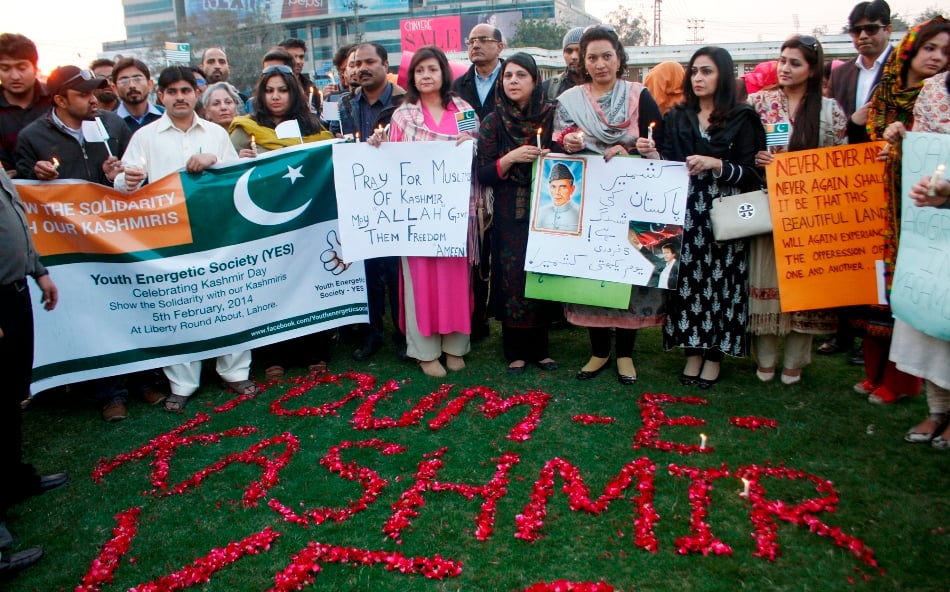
column 605, row 220
column 403, row 198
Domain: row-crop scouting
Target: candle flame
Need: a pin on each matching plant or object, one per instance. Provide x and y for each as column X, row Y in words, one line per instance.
column 55, row 163
column 652, row 124
column 539, row 131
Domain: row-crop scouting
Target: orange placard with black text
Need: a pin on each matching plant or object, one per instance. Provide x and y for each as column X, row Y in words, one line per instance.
column 828, row 208
column 87, row 218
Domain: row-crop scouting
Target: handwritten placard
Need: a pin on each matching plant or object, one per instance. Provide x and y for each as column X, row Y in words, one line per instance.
column 920, row 294
column 605, row 220
column 827, row 222
column 403, row 198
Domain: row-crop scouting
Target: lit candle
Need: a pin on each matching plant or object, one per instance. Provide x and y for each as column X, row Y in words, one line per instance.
column 332, row 79
column 253, row 143
column 310, row 96
column 650, row 131
column 379, row 129
column 539, row 138
column 935, row 179
column 745, row 488
column 357, row 136
column 55, row 164
column 702, row 441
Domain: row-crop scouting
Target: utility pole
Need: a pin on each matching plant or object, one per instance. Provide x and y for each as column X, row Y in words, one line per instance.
column 656, row 22
column 696, row 26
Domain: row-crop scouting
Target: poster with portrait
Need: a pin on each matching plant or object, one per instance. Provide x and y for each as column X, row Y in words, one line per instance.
column 613, row 221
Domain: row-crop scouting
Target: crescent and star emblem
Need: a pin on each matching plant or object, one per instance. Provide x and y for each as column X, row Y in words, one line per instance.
column 258, row 215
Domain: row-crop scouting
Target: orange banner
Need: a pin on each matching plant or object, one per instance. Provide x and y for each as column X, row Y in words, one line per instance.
column 827, row 223
column 88, row 218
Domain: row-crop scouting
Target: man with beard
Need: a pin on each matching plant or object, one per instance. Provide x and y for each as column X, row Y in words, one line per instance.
column 477, row 87
column 574, row 73
column 107, row 97
column 367, row 108
column 214, row 63
column 22, row 97
column 133, row 83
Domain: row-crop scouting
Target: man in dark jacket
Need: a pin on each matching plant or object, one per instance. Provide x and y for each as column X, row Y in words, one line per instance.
column 362, row 112
column 477, row 86
column 573, row 74
column 23, row 98
column 59, row 135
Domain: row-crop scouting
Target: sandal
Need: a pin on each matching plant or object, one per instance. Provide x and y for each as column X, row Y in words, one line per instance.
column 274, row 372
column 791, row 375
column 830, row 347
column 765, row 374
column 940, row 423
column 318, row 367
column 175, row 403
column 243, row 387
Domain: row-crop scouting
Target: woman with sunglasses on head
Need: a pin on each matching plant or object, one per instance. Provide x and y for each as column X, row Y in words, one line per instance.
column 718, row 138
column 609, row 116
column 922, row 53
column 508, row 145
column 436, row 299
column 814, row 122
column 277, row 98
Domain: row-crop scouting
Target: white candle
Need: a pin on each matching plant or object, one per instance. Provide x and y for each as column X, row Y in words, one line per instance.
column 650, row 131
column 357, row 136
column 745, row 488
column 253, row 143
column 935, row 179
column 702, row 441
column 55, row 164
column 539, row 138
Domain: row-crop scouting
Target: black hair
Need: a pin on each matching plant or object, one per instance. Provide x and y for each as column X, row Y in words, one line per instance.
column 293, row 42
column 297, row 109
column 173, row 74
column 380, row 50
column 807, row 119
column 424, row 53
column 878, row 10
column 278, row 54
column 724, row 97
column 126, row 63
column 18, row 47
column 100, row 62
column 339, row 58
column 603, row 33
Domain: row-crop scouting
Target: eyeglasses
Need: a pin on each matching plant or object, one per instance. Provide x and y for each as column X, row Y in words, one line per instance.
column 480, row 40
column 127, row 80
column 281, row 68
column 871, row 30
column 809, row 41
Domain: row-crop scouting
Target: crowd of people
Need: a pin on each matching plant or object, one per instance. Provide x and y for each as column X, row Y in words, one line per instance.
column 724, row 296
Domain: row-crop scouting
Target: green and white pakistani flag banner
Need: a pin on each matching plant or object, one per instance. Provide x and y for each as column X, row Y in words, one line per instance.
column 190, row 266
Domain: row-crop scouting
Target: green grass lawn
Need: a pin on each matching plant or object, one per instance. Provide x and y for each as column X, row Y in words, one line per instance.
column 893, row 495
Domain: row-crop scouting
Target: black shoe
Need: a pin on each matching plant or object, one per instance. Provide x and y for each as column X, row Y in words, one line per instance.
column 370, row 346
column 548, row 366
column 858, row 358
column 627, row 380
column 706, row 384
column 516, row 370
column 54, row 481
column 687, row 380
column 585, row 375
column 14, row 563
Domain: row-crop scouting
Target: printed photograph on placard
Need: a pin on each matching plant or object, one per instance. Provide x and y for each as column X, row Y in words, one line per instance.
column 661, row 245
column 559, row 199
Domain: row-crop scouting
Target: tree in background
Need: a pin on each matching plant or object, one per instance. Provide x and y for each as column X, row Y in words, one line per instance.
column 631, row 29
column 542, row 33
column 245, row 40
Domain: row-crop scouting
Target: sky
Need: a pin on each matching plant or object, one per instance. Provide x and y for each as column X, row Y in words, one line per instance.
column 66, row 35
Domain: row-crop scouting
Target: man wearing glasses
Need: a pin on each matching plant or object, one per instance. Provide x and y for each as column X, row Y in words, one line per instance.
column 477, row 88
column 22, row 97
column 134, row 83
column 853, row 82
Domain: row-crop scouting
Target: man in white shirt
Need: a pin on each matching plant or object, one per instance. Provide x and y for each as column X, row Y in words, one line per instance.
column 182, row 139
